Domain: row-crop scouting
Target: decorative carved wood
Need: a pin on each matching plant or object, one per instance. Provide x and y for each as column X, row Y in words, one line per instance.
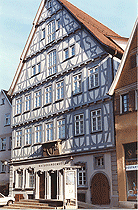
column 51, row 148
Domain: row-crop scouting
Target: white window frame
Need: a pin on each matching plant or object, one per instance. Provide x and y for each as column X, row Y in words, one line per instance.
column 18, row 105
column 51, row 31
column 93, row 78
column 61, row 129
column 127, row 104
column 49, row 131
column 28, row 136
column 31, row 179
column 66, row 53
column 38, row 134
column 96, row 118
column 3, row 144
column 36, row 69
column 48, row 94
column 82, row 176
column 20, row 179
column 77, row 83
column 60, row 90
column 52, row 63
column 80, row 123
column 27, row 102
column 7, row 119
column 99, row 161
column 37, row 99
column 18, row 138
column 3, row 167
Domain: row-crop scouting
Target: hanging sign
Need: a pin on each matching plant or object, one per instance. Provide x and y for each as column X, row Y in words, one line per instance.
column 131, row 167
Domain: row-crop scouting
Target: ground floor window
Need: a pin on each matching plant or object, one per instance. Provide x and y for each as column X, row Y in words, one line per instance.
column 20, row 179
column 31, row 179
column 132, row 187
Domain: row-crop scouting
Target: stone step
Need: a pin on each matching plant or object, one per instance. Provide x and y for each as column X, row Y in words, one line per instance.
column 31, row 203
column 29, row 206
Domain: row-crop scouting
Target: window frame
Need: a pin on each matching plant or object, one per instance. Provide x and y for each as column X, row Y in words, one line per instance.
column 49, row 131
column 27, row 106
column 66, row 55
column 48, row 95
column 37, row 99
column 3, row 144
column 60, row 90
column 95, row 158
column 19, row 138
column 61, row 126
column 43, row 34
column 96, row 117
column 9, row 119
column 18, row 106
column 71, row 47
column 3, row 166
column 83, row 172
column 20, row 179
column 28, row 136
column 52, row 63
column 79, row 86
column 38, row 139
column 79, row 121
column 51, row 31
column 127, row 103
column 93, row 74
column 31, row 177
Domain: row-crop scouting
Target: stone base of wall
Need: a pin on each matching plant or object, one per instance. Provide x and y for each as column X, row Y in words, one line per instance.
column 4, row 189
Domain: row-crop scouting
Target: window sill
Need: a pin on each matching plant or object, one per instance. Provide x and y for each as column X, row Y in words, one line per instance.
column 92, row 132
column 26, row 111
column 6, row 125
column 36, row 108
column 17, row 115
column 29, row 188
column 27, row 145
column 16, row 148
column 35, row 75
column 77, row 135
column 92, row 88
column 3, row 172
column 58, row 100
column 68, row 58
column 82, row 187
column 75, row 94
column 2, row 150
column 47, row 104
column 35, row 144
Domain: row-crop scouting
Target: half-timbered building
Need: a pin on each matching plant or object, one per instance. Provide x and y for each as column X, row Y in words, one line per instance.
column 62, row 117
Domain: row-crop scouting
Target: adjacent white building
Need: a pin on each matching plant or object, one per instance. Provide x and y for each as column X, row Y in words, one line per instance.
column 5, row 140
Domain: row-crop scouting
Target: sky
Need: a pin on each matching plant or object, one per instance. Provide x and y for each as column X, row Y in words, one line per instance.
column 16, row 18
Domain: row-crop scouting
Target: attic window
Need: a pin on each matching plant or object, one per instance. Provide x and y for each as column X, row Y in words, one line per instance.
column 2, row 101
column 49, row 4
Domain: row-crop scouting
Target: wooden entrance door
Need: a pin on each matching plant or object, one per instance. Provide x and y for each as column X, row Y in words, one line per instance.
column 42, row 186
column 100, row 189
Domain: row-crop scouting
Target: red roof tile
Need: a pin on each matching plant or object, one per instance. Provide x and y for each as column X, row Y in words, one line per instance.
column 98, row 29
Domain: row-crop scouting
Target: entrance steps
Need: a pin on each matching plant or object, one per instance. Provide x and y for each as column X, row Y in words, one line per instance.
column 30, row 204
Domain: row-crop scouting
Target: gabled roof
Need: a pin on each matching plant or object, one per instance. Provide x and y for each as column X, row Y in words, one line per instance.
column 122, row 63
column 8, row 98
column 101, row 32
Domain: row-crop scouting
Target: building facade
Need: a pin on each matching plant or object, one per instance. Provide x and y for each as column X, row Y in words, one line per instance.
column 124, row 88
column 5, row 140
column 62, row 116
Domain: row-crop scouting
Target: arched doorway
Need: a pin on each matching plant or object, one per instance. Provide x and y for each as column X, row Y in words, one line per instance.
column 100, row 189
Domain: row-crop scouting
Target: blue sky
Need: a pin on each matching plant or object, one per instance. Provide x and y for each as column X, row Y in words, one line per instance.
column 16, row 18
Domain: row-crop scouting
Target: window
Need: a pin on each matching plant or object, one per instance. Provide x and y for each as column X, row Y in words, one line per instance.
column 77, row 84
column 125, row 103
column 2, row 101
column 37, row 99
column 38, row 134
column 18, row 106
column 52, row 63
column 51, row 31
column 43, row 33
column 20, row 179
column 73, row 50
column 7, row 119
column 82, row 176
column 48, row 94
column 3, row 167
column 79, row 124
column 49, row 4
column 61, row 129
column 66, row 51
column 99, row 162
column 96, row 120
column 27, row 102
column 49, row 131
column 36, row 69
column 28, row 136
column 93, row 78
column 18, row 138
column 60, row 90
column 58, row 24
column 31, row 179
column 3, row 143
